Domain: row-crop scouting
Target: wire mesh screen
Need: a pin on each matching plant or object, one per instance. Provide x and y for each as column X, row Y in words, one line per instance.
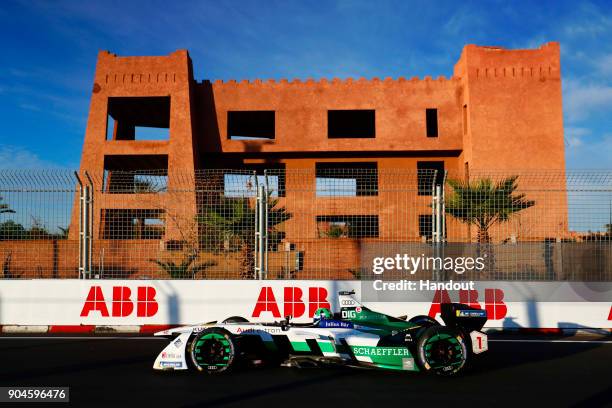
column 35, row 224
column 532, row 225
column 327, row 222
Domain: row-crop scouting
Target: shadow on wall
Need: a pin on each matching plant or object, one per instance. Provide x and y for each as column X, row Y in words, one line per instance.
column 570, row 328
column 207, row 137
column 174, row 309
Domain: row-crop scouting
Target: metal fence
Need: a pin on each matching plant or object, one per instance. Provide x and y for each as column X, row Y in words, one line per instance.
column 329, row 222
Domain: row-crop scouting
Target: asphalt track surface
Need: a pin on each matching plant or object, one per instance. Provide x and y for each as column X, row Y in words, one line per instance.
column 116, row 372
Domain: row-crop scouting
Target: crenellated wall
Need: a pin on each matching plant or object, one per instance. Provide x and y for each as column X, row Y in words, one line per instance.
column 301, row 113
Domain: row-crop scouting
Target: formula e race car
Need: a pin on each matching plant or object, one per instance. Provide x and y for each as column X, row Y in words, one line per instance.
column 356, row 336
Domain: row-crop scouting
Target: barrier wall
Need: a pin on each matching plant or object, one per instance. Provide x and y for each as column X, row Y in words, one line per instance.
column 169, row 302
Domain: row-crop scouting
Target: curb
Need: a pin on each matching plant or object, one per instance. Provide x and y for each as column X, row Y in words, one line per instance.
column 71, row 329
column 24, row 329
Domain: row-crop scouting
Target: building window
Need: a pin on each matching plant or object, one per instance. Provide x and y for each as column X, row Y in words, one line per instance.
column 135, row 174
column 348, row 124
column 429, row 173
column 347, row 226
column 431, row 118
column 138, row 118
column 346, row 179
column 425, row 226
column 244, row 182
column 465, row 119
column 249, row 125
column 132, row 224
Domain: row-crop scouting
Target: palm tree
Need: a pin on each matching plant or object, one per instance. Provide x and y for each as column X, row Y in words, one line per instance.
column 4, row 208
column 484, row 203
column 232, row 220
column 186, row 269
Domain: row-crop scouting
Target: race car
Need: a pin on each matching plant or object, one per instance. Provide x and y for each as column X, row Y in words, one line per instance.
column 356, row 336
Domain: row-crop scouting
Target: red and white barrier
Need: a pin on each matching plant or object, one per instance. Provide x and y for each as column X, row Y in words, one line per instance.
column 85, row 306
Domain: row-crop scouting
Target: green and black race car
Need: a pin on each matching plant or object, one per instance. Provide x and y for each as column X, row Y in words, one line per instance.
column 355, row 336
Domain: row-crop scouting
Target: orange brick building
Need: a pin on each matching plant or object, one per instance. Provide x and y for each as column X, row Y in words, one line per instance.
column 500, row 111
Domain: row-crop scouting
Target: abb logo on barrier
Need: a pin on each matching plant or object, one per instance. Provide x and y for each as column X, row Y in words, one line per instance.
column 293, row 304
column 122, row 304
column 493, row 302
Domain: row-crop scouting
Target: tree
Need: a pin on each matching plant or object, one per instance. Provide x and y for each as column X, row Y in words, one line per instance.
column 232, row 220
column 483, row 203
column 10, row 230
column 186, row 269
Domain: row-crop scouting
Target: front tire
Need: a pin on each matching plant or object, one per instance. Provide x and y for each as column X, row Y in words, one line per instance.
column 214, row 351
column 442, row 351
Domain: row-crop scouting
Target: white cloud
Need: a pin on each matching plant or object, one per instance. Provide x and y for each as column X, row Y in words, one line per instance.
column 582, row 99
column 574, row 136
column 589, row 21
column 589, row 27
column 591, row 154
column 28, row 106
column 17, row 157
column 604, row 64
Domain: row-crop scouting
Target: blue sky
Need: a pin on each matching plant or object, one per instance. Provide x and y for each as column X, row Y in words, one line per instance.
column 49, row 53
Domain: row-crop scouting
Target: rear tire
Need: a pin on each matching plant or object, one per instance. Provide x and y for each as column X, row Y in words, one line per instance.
column 235, row 319
column 442, row 351
column 214, row 351
column 424, row 321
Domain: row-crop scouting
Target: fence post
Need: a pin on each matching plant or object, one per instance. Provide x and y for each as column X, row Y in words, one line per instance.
column 89, row 201
column 443, row 206
column 261, row 233
column 436, row 236
column 257, row 265
column 81, row 230
column 266, row 223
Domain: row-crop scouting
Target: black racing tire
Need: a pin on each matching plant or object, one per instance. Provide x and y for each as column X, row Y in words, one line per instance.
column 214, row 351
column 441, row 351
column 235, row 319
column 424, row 320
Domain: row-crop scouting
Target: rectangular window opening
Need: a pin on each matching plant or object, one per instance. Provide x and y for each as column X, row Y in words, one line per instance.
column 135, row 174
column 138, row 118
column 339, row 179
column 431, row 117
column 429, row 173
column 425, row 226
column 133, row 224
column 465, row 119
column 348, row 124
column 244, row 182
column 250, row 125
column 347, row 226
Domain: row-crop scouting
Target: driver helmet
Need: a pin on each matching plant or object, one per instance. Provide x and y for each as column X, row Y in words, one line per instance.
column 321, row 313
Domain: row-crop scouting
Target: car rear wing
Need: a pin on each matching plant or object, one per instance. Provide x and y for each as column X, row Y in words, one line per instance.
column 462, row 316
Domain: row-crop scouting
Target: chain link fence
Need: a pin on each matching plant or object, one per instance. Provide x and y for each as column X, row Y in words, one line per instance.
column 334, row 221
